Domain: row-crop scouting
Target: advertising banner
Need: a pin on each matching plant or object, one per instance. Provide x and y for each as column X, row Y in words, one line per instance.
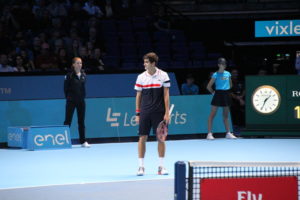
column 277, row 28
column 52, row 87
column 275, row 188
column 108, row 117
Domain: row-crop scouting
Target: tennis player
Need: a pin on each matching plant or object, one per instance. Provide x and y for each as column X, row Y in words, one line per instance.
column 221, row 98
column 152, row 106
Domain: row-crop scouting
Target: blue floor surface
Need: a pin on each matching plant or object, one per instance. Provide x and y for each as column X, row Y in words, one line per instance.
column 118, row 161
column 107, row 171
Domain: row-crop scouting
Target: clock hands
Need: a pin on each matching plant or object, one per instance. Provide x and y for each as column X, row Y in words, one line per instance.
column 265, row 102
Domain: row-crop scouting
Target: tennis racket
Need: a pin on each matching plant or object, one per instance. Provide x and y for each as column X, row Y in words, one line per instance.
column 162, row 128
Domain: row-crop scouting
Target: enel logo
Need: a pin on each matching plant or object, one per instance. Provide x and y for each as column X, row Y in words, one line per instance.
column 55, row 139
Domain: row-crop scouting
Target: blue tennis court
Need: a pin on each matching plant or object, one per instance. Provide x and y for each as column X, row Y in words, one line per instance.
column 108, row 171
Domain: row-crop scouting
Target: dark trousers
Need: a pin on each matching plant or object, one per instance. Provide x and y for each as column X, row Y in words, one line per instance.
column 80, row 108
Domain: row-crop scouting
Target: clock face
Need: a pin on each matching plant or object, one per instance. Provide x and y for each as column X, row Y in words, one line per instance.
column 266, row 99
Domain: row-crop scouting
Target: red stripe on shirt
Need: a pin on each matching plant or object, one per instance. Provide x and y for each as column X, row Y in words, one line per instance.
column 145, row 86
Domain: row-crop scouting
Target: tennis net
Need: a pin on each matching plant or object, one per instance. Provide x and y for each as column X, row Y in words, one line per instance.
column 196, row 180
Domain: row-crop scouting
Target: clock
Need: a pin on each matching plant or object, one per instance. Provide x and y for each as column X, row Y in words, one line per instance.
column 265, row 99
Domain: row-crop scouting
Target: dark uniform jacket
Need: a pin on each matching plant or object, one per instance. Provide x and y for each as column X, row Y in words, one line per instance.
column 74, row 87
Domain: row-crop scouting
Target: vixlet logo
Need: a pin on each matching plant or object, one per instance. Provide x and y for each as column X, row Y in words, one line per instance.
column 280, row 28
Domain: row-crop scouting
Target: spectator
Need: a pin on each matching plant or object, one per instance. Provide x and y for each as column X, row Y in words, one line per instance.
column 19, row 64
column 63, row 59
column 275, row 69
column 22, row 45
column 43, row 20
column 98, row 60
column 26, row 61
column 58, row 44
column 108, row 9
column 93, row 36
column 262, row 72
column 297, row 62
column 86, row 60
column 92, row 9
column 76, row 45
column 77, row 13
column 90, row 48
column 8, row 19
column 189, row 88
column 39, row 8
column 4, row 67
column 238, row 101
column 204, row 84
column 46, row 60
column 58, row 8
column 36, row 46
column 162, row 22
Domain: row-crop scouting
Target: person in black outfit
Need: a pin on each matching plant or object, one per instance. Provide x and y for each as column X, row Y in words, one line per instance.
column 74, row 88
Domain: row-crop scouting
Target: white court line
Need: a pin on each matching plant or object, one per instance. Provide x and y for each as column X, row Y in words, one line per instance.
column 27, row 187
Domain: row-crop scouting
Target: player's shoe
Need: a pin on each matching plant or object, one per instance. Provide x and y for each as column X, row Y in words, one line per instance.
column 210, row 136
column 230, row 136
column 86, row 145
column 162, row 171
column 141, row 171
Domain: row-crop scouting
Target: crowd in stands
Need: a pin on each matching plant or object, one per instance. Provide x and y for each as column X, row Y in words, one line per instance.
column 43, row 35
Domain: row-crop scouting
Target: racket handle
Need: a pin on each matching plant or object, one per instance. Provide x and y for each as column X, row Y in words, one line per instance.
column 171, row 109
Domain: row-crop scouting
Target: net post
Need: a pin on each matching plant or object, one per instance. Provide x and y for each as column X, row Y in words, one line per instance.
column 180, row 183
column 190, row 182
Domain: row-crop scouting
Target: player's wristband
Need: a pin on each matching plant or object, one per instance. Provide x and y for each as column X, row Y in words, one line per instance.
column 137, row 112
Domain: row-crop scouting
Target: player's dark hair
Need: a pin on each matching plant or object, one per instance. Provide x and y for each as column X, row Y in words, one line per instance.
column 152, row 57
column 222, row 61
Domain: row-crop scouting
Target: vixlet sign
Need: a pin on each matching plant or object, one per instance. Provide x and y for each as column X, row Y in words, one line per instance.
column 278, row 28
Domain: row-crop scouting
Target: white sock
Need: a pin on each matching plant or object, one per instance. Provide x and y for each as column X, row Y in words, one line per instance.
column 161, row 161
column 228, row 132
column 141, row 162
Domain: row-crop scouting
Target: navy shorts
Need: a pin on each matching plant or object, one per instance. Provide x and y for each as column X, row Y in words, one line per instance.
column 148, row 121
column 221, row 98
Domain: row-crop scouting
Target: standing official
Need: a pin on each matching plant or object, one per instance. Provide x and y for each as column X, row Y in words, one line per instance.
column 74, row 88
column 221, row 98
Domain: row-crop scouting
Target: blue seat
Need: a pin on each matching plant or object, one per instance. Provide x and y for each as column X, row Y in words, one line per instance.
column 180, row 48
column 181, row 57
column 160, row 36
column 197, row 64
column 126, row 37
column 162, row 49
column 108, row 25
column 164, row 64
column 112, row 50
column 212, row 56
column 143, row 37
column 177, row 36
column 178, row 64
column 139, row 23
column 111, row 61
column 124, row 26
column 110, row 37
column 196, row 47
column 128, row 65
column 210, row 64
